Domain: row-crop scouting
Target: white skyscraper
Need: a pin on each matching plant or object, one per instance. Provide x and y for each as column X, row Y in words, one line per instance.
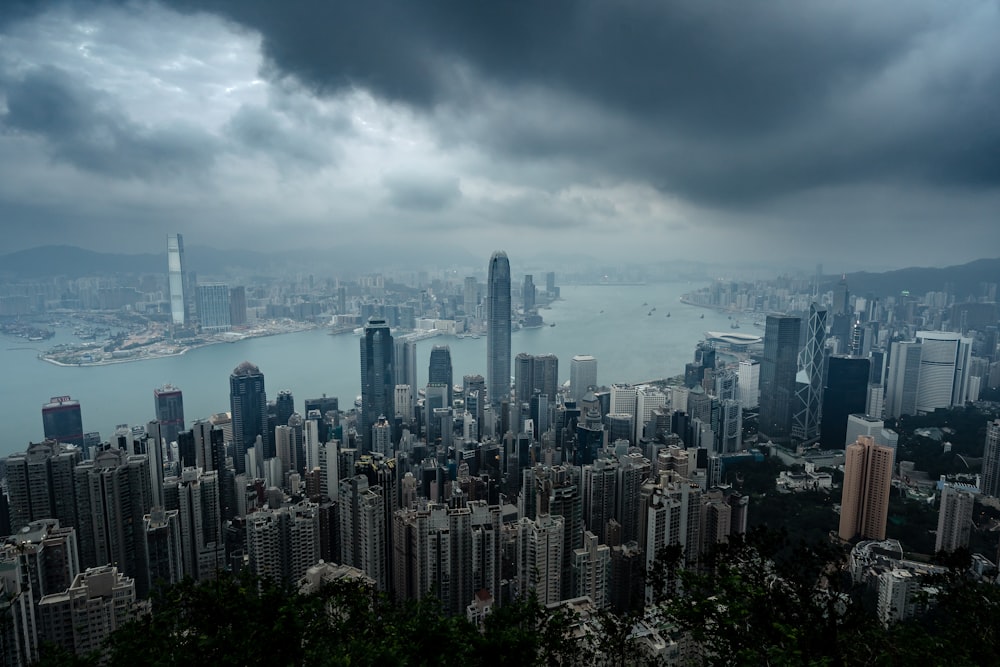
column 944, row 368
column 176, row 278
column 647, row 399
column 748, row 385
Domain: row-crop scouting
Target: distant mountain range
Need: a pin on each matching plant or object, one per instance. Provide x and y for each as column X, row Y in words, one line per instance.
column 74, row 262
column 963, row 280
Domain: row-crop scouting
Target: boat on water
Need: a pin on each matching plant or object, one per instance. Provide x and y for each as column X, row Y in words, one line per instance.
column 703, row 316
column 668, row 314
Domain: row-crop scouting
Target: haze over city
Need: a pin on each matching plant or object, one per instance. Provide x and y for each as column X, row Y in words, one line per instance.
column 777, row 133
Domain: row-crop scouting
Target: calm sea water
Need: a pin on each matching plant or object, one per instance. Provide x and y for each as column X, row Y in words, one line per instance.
column 610, row 322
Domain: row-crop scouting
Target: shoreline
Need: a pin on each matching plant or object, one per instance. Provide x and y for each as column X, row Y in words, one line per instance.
column 42, row 356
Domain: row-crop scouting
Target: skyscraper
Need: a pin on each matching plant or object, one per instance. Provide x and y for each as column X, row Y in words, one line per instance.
column 248, row 404
column 864, row 505
column 809, row 383
column 845, row 394
column 439, row 369
column 377, row 378
column 498, row 324
column 954, row 519
column 40, row 484
column 991, row 460
column 176, row 278
column 748, row 386
column 405, row 365
column 62, row 420
column 238, row 306
column 169, row 403
column 528, row 293
column 214, row 312
column 113, row 494
column 777, row 375
column 582, row 375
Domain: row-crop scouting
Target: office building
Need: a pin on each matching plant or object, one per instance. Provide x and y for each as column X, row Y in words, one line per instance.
column 928, row 373
column 238, row 306
column 470, row 297
column 778, row 370
column 990, row 484
column 498, row 328
column 528, row 293
column 864, row 504
column 748, row 384
column 535, row 374
column 248, row 404
column 177, row 280
column 377, row 378
column 944, row 370
column 647, row 399
column 582, row 375
column 903, row 379
column 62, row 420
column 40, row 484
column 809, row 380
column 954, row 518
column 169, row 403
column 439, row 370
column 213, row 307
column 845, row 394
column 405, row 362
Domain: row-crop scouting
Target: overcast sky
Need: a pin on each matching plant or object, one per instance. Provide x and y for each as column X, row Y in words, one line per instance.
column 846, row 133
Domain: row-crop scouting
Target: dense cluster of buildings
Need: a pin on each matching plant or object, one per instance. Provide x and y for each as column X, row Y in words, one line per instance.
column 476, row 491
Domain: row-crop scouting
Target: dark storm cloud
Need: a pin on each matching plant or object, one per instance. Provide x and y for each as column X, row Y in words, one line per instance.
column 723, row 103
column 84, row 127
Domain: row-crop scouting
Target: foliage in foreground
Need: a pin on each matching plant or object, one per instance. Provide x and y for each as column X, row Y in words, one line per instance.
column 759, row 601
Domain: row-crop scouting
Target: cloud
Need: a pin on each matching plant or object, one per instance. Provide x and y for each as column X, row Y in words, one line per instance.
column 82, row 127
column 647, row 129
column 421, row 192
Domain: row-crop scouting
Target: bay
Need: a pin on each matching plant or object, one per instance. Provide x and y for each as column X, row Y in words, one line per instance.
column 616, row 323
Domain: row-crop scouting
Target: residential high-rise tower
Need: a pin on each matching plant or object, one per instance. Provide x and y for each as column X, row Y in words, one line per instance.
column 864, row 505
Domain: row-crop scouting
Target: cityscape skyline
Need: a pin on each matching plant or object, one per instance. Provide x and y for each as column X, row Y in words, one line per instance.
column 259, row 117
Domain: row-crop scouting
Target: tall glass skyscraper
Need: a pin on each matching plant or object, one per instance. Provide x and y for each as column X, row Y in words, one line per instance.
column 169, row 403
column 778, row 369
column 809, row 383
column 378, row 383
column 498, row 328
column 176, row 279
column 214, row 312
column 439, row 370
column 248, row 402
column 62, row 420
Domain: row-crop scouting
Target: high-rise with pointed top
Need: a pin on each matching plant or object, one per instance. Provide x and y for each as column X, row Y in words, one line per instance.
column 498, row 328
